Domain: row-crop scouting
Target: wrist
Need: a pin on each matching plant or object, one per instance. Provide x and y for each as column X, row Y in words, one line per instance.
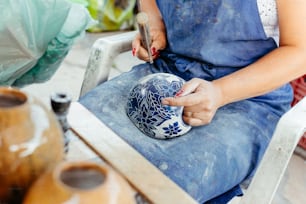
column 156, row 24
column 219, row 93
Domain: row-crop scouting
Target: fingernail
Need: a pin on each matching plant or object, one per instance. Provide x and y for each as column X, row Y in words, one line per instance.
column 179, row 93
column 153, row 50
column 134, row 51
column 156, row 54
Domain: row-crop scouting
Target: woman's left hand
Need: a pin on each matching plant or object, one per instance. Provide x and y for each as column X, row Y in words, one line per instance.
column 200, row 99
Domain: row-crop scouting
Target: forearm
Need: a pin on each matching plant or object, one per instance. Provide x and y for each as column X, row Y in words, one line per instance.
column 155, row 18
column 275, row 69
column 278, row 67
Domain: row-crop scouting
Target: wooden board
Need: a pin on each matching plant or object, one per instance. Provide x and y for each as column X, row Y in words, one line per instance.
column 144, row 176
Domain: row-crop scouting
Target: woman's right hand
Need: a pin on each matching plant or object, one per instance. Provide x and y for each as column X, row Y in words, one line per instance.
column 158, row 38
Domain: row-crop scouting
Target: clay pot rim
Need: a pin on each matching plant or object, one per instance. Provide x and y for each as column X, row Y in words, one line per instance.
column 66, row 165
column 16, row 92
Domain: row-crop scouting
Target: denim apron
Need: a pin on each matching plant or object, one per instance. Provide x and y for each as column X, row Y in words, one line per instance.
column 206, row 39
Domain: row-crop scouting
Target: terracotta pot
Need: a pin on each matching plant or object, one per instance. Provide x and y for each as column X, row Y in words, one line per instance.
column 82, row 183
column 31, row 142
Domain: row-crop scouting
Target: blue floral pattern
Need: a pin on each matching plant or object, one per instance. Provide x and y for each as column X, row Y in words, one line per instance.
column 145, row 110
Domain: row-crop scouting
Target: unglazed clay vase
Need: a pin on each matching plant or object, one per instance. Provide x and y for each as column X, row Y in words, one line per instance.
column 31, row 142
column 148, row 114
column 80, row 183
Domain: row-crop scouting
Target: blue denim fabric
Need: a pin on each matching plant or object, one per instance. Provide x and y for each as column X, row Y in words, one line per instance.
column 209, row 161
column 218, row 32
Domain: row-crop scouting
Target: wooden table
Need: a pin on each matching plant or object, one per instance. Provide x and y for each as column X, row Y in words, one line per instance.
column 93, row 140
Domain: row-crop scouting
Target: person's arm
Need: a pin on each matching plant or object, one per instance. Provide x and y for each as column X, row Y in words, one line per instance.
column 151, row 9
column 278, row 67
column 157, row 31
column 202, row 98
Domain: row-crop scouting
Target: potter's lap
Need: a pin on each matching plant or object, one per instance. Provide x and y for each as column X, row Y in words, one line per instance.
column 208, row 157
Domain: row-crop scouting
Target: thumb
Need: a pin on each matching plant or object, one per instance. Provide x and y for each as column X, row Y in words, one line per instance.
column 158, row 42
column 188, row 88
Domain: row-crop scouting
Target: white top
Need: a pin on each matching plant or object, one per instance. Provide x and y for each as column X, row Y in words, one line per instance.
column 268, row 14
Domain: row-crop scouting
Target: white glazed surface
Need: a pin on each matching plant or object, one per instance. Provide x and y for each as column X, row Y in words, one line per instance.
column 145, row 110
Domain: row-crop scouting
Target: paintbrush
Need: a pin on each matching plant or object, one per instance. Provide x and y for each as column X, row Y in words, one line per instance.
column 143, row 26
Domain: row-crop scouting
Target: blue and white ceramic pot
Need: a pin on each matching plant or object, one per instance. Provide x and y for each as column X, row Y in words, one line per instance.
column 146, row 111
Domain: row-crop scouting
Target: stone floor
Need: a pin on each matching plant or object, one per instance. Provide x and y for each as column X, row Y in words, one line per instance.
column 69, row 78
